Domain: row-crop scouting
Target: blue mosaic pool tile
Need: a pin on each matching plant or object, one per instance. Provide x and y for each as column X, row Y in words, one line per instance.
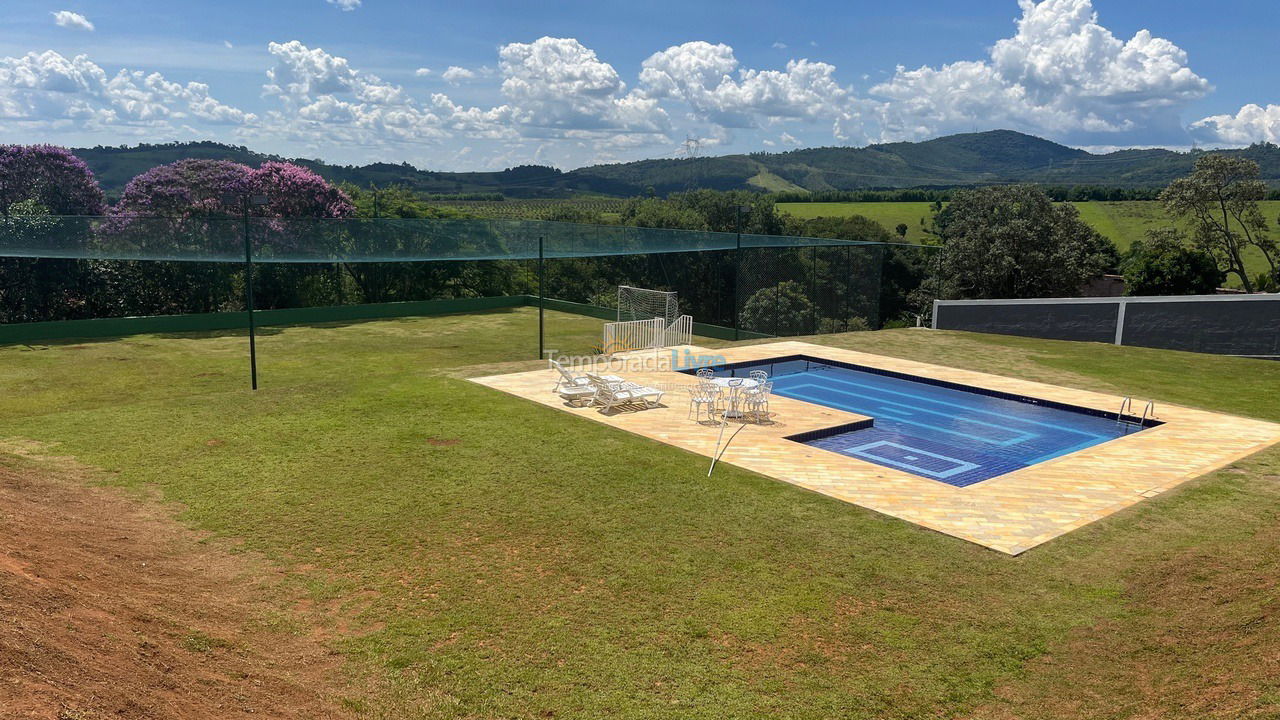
column 934, row 429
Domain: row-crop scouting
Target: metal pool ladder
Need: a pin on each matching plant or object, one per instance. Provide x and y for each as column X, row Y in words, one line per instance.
column 1125, row 404
column 1148, row 411
column 1149, row 408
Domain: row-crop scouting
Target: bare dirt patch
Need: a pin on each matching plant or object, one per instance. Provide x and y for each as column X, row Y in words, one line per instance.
column 108, row 608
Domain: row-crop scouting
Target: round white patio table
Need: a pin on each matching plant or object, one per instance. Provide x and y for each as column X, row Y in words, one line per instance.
column 735, row 387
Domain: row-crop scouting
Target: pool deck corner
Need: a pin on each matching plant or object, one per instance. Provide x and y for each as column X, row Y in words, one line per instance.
column 1010, row 513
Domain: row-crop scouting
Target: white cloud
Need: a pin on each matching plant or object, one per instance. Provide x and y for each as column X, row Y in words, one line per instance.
column 301, row 74
column 558, row 95
column 50, row 88
column 345, row 5
column 68, row 19
column 559, row 84
column 455, row 75
column 702, row 75
column 1061, row 74
column 327, row 101
column 1253, row 123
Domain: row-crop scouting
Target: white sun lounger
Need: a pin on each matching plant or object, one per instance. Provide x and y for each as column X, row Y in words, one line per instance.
column 576, row 388
column 611, row 394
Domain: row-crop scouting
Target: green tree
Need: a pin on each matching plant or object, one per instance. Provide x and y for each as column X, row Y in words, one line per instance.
column 401, row 281
column 1013, row 242
column 866, row 281
column 784, row 309
column 1163, row 265
column 851, row 227
column 1220, row 201
column 709, row 210
column 901, row 230
column 394, row 201
column 659, row 213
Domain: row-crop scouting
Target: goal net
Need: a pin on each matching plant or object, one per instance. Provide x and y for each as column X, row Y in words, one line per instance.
column 641, row 304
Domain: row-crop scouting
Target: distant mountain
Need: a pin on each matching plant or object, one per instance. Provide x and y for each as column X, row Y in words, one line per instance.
column 115, row 166
column 997, row 156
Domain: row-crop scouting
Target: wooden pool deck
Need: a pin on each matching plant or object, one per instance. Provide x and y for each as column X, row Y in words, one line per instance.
column 1010, row 513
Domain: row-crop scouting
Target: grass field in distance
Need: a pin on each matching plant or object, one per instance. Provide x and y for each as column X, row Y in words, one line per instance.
column 1122, row 222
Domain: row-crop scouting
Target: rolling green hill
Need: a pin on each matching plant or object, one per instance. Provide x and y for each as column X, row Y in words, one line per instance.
column 115, row 166
column 997, row 156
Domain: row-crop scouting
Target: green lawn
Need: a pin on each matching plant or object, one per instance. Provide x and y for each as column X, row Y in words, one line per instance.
column 888, row 214
column 497, row 558
column 1123, row 222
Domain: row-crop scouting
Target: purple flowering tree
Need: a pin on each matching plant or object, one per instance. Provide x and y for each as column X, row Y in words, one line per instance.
column 296, row 192
column 197, row 188
column 182, row 189
column 38, row 181
column 52, row 177
column 180, row 208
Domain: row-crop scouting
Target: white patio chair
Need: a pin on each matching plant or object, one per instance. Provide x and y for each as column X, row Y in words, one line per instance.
column 756, row 400
column 576, row 388
column 611, row 394
column 704, row 397
column 759, row 376
column 705, row 373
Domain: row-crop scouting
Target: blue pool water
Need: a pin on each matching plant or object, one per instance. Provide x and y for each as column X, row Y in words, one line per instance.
column 950, row 433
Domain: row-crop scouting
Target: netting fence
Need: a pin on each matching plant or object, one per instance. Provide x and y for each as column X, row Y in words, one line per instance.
column 741, row 285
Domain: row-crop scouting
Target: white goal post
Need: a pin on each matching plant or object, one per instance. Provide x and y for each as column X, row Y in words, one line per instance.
column 647, row 319
column 643, row 304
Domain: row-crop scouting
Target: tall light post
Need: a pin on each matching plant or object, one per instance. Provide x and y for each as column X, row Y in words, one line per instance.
column 245, row 201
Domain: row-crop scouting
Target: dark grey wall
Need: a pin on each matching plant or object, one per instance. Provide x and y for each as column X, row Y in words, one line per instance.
column 1226, row 328
column 1222, row 324
column 1094, row 322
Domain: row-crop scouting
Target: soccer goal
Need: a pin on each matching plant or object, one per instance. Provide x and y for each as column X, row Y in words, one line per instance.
column 647, row 319
column 642, row 304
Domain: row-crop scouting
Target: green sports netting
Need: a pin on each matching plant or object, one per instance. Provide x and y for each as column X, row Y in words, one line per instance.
column 306, row 240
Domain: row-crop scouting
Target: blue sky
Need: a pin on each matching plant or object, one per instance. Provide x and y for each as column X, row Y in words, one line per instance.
column 482, row 85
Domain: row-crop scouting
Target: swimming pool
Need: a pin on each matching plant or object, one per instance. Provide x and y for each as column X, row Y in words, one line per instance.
column 943, row 431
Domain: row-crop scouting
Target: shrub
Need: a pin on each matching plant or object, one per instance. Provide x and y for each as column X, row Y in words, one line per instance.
column 1164, row 265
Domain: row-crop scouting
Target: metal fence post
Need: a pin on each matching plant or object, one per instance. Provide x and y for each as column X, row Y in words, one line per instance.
column 248, row 293
column 737, row 275
column 541, row 298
